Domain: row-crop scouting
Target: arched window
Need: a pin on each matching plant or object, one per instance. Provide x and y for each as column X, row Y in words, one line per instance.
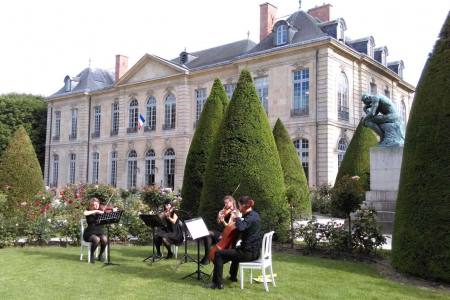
column 113, row 178
column 170, row 112
column 342, row 147
column 169, row 168
column 132, row 169
column 282, row 34
column 151, row 114
column 200, row 96
column 72, row 166
column 150, row 166
column 133, row 115
column 343, row 109
column 67, row 84
column 95, row 166
column 301, row 93
column 302, row 146
column 55, row 170
column 403, row 111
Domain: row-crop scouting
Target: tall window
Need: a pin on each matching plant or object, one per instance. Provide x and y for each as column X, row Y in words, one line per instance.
column 115, row 118
column 151, row 114
column 72, row 166
column 262, row 88
column 150, row 167
column 403, row 111
column 55, row 170
column 73, row 129
column 114, row 168
column 302, row 146
column 132, row 169
column 373, row 88
column 97, row 120
column 170, row 112
column 282, row 34
column 169, row 168
column 229, row 89
column 342, row 147
column 387, row 93
column 343, row 110
column 133, row 115
column 200, row 96
column 95, row 166
column 301, row 92
column 57, row 125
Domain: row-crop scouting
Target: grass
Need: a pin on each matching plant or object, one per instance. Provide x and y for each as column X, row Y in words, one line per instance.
column 57, row 273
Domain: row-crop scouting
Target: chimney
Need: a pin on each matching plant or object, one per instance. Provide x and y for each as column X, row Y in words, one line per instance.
column 121, row 66
column 321, row 12
column 267, row 16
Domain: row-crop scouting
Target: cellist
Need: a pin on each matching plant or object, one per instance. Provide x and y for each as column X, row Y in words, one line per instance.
column 249, row 227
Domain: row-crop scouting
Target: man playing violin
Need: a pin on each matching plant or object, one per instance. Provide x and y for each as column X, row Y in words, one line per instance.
column 249, row 227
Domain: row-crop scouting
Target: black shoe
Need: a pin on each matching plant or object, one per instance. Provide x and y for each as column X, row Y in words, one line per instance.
column 214, row 286
column 169, row 255
column 204, row 261
column 158, row 255
column 92, row 261
column 232, row 279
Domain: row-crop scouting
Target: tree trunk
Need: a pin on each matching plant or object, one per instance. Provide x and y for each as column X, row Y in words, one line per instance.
column 349, row 233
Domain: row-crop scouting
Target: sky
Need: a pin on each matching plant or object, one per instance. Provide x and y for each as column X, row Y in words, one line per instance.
column 43, row 41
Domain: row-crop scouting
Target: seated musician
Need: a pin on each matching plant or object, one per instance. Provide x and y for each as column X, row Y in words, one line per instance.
column 172, row 234
column 223, row 219
column 249, row 227
column 94, row 233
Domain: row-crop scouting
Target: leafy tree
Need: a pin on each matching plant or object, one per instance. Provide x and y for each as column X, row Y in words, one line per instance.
column 201, row 146
column 356, row 160
column 421, row 239
column 244, row 153
column 346, row 197
column 20, row 173
column 29, row 111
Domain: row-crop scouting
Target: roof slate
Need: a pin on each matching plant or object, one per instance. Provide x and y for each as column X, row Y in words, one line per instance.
column 89, row 80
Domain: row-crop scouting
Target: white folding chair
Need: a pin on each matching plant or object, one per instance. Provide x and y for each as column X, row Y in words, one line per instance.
column 88, row 244
column 264, row 261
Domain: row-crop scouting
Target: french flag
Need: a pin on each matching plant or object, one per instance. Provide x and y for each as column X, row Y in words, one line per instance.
column 141, row 121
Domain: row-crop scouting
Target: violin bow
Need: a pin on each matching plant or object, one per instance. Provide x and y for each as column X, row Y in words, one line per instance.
column 236, row 189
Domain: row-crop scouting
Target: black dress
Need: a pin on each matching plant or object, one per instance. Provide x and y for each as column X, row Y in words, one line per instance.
column 92, row 228
column 172, row 232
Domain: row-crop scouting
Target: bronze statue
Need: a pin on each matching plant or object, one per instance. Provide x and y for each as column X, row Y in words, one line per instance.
column 382, row 117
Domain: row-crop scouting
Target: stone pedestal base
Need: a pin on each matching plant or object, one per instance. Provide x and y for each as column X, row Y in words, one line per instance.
column 385, row 165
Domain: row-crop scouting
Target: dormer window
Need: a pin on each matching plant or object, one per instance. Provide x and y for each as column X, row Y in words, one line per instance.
column 183, row 57
column 282, row 34
column 67, row 84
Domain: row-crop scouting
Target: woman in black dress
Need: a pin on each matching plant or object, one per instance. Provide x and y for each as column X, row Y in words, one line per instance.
column 172, row 234
column 94, row 233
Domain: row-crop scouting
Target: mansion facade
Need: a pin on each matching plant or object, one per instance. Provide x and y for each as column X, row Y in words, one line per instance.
column 307, row 72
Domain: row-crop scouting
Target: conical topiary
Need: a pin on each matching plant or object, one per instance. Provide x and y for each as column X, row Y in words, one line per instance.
column 421, row 240
column 245, row 153
column 294, row 175
column 201, row 146
column 20, row 172
column 357, row 157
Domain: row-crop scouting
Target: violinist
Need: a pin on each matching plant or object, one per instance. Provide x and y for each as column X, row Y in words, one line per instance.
column 95, row 234
column 249, row 227
column 172, row 234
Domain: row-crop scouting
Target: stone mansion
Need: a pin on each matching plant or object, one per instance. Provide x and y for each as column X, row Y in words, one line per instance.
column 306, row 70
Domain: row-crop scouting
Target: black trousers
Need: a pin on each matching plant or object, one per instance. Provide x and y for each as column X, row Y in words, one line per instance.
column 233, row 255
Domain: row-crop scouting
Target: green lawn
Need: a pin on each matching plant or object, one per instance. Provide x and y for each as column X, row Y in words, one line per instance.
column 57, row 273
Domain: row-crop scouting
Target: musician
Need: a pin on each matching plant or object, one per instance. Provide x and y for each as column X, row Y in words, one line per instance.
column 95, row 234
column 172, row 234
column 249, row 227
column 223, row 219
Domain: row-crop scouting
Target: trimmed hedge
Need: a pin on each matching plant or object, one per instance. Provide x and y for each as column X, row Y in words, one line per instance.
column 357, row 157
column 421, row 240
column 294, row 175
column 245, row 153
column 20, row 172
column 201, row 146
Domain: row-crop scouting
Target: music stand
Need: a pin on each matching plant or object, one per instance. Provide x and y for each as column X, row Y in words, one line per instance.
column 197, row 229
column 108, row 219
column 183, row 216
column 152, row 221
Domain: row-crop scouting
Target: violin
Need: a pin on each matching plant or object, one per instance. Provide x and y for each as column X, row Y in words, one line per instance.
column 229, row 236
column 107, row 208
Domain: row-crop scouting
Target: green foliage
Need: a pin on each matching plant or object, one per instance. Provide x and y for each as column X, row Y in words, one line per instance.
column 421, row 239
column 155, row 196
column 366, row 234
column 29, row 111
column 294, row 175
column 356, row 160
column 244, row 152
column 20, row 172
column 201, row 146
column 321, row 199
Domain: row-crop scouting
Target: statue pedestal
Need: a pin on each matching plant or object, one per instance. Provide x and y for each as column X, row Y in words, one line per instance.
column 385, row 165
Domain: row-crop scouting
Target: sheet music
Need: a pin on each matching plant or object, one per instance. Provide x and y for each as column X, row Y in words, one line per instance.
column 197, row 228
